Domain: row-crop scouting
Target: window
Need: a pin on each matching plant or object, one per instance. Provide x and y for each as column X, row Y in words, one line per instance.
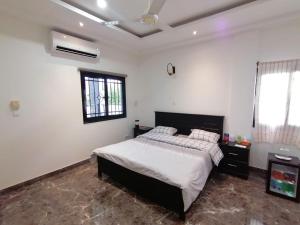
column 103, row 96
column 273, row 98
column 294, row 110
column 277, row 106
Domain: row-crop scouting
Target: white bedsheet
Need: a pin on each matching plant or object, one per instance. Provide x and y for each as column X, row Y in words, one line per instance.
column 211, row 148
column 182, row 167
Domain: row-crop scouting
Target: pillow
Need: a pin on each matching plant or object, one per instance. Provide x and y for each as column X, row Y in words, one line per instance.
column 164, row 130
column 204, row 135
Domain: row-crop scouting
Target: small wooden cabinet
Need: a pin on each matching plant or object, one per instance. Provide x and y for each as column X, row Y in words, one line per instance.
column 141, row 130
column 283, row 178
column 235, row 161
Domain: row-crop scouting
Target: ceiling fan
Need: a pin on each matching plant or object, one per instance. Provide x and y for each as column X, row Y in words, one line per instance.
column 150, row 17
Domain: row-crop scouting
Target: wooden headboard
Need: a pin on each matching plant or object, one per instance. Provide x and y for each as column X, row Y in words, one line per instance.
column 185, row 122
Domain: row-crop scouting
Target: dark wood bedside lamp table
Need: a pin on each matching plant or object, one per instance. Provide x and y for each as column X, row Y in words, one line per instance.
column 141, row 130
column 283, row 177
column 235, row 161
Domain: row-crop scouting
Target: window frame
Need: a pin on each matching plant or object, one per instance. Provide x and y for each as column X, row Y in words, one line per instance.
column 105, row 76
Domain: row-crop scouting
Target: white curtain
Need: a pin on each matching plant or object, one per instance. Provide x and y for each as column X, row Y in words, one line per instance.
column 277, row 103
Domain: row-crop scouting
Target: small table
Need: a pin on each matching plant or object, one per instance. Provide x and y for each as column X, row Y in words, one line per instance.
column 283, row 177
column 236, row 160
column 141, row 130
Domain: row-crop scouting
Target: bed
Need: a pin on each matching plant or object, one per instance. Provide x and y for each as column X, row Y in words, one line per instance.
column 158, row 168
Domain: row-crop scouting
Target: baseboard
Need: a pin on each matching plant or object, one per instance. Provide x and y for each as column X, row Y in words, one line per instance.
column 258, row 171
column 31, row 181
column 255, row 169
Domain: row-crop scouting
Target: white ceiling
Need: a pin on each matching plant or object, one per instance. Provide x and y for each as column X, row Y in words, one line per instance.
column 50, row 14
column 128, row 12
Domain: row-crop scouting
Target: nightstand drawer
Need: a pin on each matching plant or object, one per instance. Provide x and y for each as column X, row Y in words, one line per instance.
column 234, row 167
column 233, row 153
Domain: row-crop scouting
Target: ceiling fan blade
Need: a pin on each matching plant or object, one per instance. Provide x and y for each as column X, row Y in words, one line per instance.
column 156, row 6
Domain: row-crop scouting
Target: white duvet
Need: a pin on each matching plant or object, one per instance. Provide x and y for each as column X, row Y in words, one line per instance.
column 182, row 167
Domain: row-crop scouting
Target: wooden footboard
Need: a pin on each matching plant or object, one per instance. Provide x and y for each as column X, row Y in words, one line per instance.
column 155, row 190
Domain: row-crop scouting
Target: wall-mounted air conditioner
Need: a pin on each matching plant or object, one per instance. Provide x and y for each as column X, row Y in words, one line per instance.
column 72, row 47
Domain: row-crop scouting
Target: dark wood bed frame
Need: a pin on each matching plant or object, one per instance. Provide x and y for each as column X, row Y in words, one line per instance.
column 155, row 190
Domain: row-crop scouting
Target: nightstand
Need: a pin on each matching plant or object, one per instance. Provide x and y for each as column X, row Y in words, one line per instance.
column 235, row 161
column 141, row 130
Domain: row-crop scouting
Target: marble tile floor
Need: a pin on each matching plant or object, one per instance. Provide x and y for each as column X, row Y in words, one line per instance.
column 77, row 196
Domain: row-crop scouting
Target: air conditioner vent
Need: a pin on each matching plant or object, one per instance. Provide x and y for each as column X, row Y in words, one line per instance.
column 77, row 52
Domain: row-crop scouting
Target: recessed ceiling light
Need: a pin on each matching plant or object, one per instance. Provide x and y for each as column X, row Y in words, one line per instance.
column 112, row 23
column 102, row 4
column 195, row 32
column 65, row 36
column 81, row 24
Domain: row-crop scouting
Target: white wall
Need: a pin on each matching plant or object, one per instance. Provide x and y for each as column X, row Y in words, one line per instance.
column 49, row 132
column 217, row 77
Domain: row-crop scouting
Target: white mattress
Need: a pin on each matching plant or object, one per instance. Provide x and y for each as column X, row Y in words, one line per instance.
column 182, row 167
